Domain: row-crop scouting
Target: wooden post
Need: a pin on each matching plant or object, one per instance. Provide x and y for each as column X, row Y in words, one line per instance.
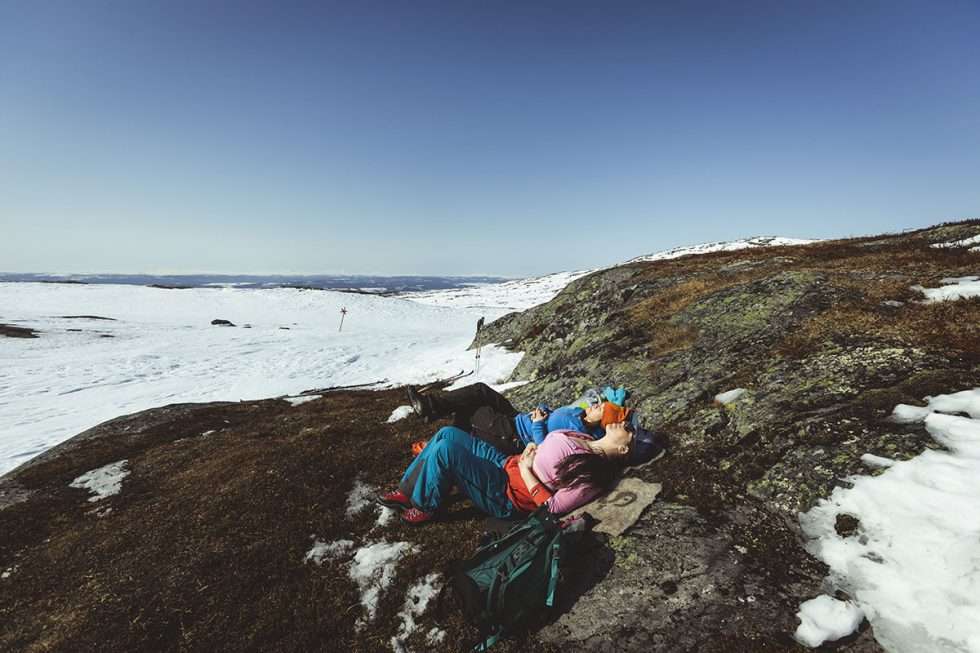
column 343, row 312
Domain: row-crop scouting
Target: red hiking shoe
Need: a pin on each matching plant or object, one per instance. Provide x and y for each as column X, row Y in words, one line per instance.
column 415, row 516
column 395, row 500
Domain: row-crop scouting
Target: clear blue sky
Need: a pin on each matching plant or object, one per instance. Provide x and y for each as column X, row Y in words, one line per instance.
column 466, row 138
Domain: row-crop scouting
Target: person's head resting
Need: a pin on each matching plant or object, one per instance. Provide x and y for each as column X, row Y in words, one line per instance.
column 593, row 413
column 602, row 464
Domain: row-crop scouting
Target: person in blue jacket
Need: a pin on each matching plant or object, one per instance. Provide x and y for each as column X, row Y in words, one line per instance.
column 485, row 413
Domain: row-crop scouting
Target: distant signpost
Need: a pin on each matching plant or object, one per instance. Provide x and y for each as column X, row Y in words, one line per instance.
column 343, row 314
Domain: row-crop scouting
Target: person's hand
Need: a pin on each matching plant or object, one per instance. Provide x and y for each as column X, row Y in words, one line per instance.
column 526, row 460
column 538, row 415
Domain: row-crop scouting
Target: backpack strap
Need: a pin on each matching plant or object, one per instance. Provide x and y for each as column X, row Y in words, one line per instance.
column 553, row 579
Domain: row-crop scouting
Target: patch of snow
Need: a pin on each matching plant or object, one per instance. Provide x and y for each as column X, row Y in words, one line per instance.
column 872, row 460
column 327, row 550
column 360, row 497
column 385, row 515
column 730, row 396
column 952, row 289
column 399, row 413
column 915, row 572
column 966, row 401
column 826, row 619
column 727, row 246
column 435, row 636
column 373, row 569
column 104, row 481
column 297, row 401
column 966, row 242
column 416, row 601
column 207, row 433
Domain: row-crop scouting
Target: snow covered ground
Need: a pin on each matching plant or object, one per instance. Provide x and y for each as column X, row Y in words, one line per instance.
column 727, row 246
column 913, row 567
column 517, row 295
column 164, row 350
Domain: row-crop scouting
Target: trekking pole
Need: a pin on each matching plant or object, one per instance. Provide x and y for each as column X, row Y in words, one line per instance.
column 343, row 313
column 479, row 346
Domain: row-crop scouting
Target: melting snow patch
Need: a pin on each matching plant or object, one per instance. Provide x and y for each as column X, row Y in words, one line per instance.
column 435, row 636
column 966, row 242
column 296, row 401
column 373, row 569
column 416, row 601
column 384, row 516
column 915, row 572
column 952, row 288
column 400, row 413
column 104, row 481
column 826, row 619
column 327, row 550
column 361, row 497
column 730, row 396
column 872, row 460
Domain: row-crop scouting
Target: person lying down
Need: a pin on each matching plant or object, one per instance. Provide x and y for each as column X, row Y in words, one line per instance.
column 565, row 471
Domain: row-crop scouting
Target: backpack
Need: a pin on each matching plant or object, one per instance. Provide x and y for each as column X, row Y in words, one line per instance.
column 511, row 578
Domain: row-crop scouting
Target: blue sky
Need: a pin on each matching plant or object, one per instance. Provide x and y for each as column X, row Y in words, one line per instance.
column 472, row 138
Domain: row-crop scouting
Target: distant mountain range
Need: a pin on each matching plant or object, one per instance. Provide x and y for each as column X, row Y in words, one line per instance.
column 377, row 285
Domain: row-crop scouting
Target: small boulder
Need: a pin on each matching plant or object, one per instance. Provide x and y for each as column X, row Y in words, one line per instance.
column 220, row 322
column 846, row 525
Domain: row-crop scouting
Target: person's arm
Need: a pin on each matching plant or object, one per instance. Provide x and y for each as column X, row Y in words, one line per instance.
column 539, row 493
column 539, row 425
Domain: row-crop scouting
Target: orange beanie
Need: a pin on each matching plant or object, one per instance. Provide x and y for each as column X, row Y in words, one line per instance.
column 611, row 413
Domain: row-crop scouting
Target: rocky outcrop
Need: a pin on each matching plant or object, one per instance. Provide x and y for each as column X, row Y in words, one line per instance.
column 825, row 339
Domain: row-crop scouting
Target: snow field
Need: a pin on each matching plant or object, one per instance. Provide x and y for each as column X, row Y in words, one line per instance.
column 913, row 568
column 164, row 350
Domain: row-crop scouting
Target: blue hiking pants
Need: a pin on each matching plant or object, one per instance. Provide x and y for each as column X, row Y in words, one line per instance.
column 454, row 457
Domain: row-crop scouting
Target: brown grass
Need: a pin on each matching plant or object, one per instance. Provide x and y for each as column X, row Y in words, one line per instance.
column 868, row 271
column 650, row 318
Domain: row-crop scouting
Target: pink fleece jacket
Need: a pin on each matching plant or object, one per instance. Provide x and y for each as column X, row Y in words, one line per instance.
column 556, row 447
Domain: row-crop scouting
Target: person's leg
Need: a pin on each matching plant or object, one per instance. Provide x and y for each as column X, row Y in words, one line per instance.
column 495, row 428
column 456, row 457
column 462, row 403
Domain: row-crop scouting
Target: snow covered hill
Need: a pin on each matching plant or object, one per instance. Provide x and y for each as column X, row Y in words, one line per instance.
column 522, row 294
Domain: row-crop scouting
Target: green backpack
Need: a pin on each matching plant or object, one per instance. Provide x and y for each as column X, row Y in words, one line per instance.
column 511, row 578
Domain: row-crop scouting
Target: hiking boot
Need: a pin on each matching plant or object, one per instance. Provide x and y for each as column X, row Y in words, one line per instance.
column 415, row 516
column 395, row 500
column 421, row 405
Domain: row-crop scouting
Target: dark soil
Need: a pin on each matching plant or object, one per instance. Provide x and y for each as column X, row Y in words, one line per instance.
column 203, row 550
